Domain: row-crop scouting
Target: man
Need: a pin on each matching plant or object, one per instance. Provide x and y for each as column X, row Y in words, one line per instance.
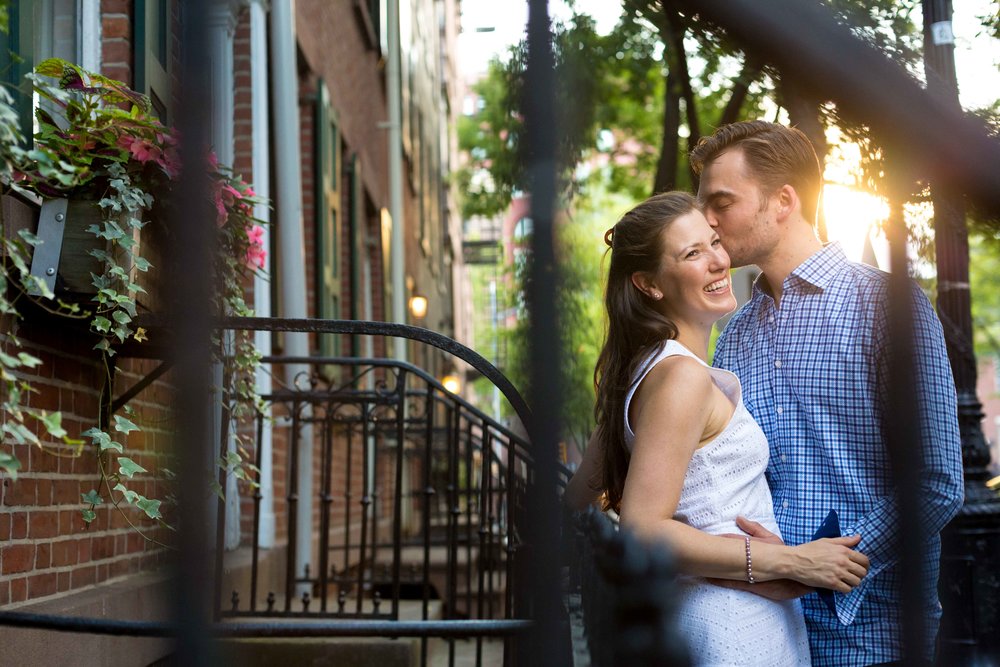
column 810, row 348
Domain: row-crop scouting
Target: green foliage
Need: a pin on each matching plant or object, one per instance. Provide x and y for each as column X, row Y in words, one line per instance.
column 580, row 298
column 98, row 140
column 984, row 267
column 491, row 136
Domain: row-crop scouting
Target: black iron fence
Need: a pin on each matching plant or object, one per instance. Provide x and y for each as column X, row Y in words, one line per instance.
column 495, row 499
column 420, row 501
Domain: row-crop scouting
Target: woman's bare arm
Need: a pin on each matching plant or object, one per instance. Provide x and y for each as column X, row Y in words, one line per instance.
column 669, row 423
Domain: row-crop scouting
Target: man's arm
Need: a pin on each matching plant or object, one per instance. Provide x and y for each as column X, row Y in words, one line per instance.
column 941, row 481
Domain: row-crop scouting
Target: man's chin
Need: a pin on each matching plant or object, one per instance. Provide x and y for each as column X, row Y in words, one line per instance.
column 737, row 262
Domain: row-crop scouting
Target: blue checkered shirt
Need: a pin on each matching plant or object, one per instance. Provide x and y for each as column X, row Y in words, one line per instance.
column 814, row 376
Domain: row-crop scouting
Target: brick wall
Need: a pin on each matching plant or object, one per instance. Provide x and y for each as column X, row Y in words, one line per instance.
column 46, row 549
column 116, row 40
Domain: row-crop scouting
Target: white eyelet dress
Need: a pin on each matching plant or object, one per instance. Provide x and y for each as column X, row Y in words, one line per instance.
column 725, row 479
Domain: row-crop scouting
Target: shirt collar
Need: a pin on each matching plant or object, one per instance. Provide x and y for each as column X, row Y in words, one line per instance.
column 818, row 270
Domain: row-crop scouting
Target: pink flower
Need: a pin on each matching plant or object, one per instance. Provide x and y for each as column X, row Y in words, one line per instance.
column 256, row 235
column 141, row 149
column 230, row 194
column 220, row 208
column 256, row 254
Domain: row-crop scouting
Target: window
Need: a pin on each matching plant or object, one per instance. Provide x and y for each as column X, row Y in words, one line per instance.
column 358, row 227
column 153, row 25
column 328, row 218
column 36, row 31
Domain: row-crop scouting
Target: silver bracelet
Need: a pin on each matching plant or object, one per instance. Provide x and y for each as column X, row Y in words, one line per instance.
column 750, row 579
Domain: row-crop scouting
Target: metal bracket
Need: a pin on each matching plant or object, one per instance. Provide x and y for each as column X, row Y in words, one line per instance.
column 51, row 226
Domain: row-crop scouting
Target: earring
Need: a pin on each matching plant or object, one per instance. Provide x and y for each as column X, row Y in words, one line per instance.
column 656, row 296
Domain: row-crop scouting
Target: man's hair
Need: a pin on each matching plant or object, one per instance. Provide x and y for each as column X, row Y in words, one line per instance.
column 775, row 154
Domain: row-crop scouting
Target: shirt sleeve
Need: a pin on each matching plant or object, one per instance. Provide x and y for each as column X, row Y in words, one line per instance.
column 941, row 475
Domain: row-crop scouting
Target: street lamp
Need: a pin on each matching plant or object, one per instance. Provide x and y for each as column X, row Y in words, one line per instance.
column 970, row 588
column 418, row 306
column 451, row 383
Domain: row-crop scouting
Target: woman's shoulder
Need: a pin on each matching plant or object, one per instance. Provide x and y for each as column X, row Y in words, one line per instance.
column 678, row 372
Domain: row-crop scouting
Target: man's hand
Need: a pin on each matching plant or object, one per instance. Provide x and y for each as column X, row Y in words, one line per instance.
column 757, row 531
column 779, row 589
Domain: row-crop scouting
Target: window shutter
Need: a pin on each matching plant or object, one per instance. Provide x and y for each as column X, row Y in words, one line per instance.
column 328, row 218
column 153, row 25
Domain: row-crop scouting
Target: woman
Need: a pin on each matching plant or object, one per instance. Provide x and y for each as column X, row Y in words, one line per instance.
column 676, row 453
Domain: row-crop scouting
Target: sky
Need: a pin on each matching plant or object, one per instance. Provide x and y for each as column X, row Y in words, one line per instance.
column 977, row 56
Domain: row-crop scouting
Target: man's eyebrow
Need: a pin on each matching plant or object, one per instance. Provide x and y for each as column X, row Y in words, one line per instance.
column 705, row 200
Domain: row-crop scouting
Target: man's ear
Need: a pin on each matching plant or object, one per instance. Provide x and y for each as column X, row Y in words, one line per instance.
column 788, row 202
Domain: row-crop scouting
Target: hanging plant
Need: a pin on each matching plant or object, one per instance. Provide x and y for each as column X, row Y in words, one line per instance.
column 98, row 142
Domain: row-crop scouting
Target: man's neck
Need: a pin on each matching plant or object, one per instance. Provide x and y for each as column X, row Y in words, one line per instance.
column 787, row 257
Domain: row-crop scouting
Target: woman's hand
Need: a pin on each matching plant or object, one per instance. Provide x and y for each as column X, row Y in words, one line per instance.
column 829, row 563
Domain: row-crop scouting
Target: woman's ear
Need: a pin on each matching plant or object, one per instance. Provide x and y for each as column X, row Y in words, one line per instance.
column 644, row 283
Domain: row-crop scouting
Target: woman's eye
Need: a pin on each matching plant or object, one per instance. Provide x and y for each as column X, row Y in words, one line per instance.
column 692, row 253
column 717, row 242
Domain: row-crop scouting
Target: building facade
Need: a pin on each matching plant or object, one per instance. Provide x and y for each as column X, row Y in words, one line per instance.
column 51, row 561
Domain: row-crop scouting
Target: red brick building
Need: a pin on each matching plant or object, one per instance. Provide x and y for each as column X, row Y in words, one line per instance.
column 50, row 560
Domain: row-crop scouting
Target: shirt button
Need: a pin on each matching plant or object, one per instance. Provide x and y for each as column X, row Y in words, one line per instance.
column 784, row 503
column 770, row 318
column 780, row 409
column 783, row 460
column 777, row 363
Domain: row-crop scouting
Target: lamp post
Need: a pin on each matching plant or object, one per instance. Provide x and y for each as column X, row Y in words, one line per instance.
column 970, row 581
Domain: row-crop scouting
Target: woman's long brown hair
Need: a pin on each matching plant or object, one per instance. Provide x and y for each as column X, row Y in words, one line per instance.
column 634, row 325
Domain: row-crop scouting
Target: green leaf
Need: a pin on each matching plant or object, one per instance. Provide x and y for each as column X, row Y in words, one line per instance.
column 130, row 496
column 128, row 467
column 88, row 516
column 101, row 324
column 232, row 460
column 121, row 317
column 104, row 345
column 92, row 497
column 123, row 425
column 53, row 424
column 21, row 434
column 150, row 507
column 28, row 360
column 9, row 361
column 141, row 263
column 97, row 435
column 9, row 464
column 29, row 238
column 217, row 489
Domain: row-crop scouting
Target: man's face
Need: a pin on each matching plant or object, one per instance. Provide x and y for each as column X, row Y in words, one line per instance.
column 734, row 205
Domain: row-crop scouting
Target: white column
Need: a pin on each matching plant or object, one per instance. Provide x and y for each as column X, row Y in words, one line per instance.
column 291, row 242
column 222, row 27
column 260, row 115
column 89, row 14
column 397, row 255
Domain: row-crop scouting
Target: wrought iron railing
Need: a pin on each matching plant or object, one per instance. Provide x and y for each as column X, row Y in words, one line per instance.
column 421, row 496
column 621, row 593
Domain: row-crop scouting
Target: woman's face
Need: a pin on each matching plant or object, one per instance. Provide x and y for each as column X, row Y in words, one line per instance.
column 693, row 275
